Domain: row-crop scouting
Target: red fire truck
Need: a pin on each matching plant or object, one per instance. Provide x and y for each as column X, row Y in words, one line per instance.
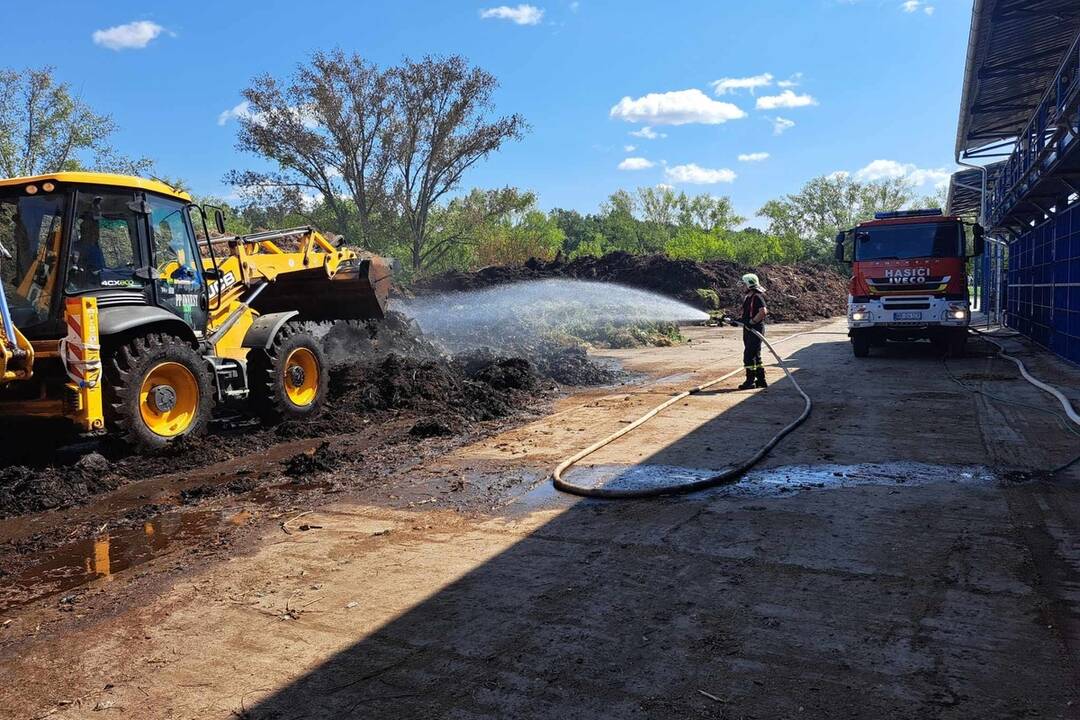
column 909, row 279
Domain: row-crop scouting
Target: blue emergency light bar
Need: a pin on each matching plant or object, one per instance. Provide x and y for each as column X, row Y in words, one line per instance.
column 928, row 212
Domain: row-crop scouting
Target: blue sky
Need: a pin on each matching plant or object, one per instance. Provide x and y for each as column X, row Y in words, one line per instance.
column 871, row 86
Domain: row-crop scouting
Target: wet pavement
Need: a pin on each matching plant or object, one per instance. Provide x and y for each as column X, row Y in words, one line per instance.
column 777, row 480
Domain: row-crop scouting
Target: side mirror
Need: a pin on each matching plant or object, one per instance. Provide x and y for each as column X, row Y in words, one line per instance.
column 978, row 234
column 219, row 221
column 839, row 251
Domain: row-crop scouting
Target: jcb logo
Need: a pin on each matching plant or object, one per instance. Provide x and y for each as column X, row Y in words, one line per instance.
column 227, row 281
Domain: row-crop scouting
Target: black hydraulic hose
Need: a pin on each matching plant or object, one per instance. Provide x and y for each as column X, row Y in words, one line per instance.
column 685, row 487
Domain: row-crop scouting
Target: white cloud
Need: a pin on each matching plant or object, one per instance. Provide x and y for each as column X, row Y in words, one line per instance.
column 781, row 125
column 891, row 169
column 636, row 163
column 725, row 85
column 629, row 148
column 679, row 107
column 791, row 82
column 911, row 6
column 306, row 114
column 648, row 133
column 838, row 175
column 754, row 157
column 786, row 99
column 697, row 175
column 519, row 15
column 132, row 36
column 240, row 110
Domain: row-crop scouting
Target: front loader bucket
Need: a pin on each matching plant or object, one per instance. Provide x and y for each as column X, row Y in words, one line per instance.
column 358, row 291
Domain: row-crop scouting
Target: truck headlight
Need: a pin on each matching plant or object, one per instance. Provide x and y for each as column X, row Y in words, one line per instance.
column 956, row 312
column 860, row 313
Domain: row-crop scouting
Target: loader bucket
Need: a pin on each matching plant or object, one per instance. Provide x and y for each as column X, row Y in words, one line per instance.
column 358, row 291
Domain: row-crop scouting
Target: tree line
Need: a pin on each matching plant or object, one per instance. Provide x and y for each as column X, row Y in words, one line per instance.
column 378, row 155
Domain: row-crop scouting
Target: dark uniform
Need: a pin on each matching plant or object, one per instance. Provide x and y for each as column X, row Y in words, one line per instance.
column 753, row 303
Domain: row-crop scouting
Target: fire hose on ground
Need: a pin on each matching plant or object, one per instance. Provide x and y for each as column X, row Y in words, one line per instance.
column 685, row 487
column 738, row 470
column 1063, row 420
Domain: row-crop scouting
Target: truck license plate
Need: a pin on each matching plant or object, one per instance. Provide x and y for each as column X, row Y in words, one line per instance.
column 908, row 316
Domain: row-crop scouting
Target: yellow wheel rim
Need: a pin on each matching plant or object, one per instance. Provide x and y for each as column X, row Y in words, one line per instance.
column 301, row 377
column 169, row 399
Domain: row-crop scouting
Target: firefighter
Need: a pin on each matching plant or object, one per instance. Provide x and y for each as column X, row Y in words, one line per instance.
column 753, row 317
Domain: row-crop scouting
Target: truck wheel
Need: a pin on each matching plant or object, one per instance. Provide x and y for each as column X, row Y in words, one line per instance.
column 157, row 388
column 288, row 379
column 860, row 345
column 957, row 345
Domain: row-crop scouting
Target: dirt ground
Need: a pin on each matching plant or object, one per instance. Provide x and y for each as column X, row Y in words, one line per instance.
column 899, row 555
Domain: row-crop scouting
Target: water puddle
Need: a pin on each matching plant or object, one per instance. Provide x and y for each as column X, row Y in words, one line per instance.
column 768, row 482
column 798, row 478
column 101, row 557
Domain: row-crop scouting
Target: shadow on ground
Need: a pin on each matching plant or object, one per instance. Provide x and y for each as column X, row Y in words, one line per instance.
column 878, row 601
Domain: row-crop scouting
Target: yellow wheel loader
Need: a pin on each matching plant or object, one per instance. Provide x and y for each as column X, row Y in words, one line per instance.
column 122, row 312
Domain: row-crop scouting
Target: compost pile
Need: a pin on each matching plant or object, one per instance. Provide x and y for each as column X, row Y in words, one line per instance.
column 795, row 292
column 380, row 373
column 563, row 360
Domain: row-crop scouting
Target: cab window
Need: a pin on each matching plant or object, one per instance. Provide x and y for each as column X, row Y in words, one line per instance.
column 176, row 260
column 104, row 249
column 30, row 236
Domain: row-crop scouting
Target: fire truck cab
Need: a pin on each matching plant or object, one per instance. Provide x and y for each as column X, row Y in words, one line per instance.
column 909, row 279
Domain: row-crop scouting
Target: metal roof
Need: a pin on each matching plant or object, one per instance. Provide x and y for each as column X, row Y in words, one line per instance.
column 965, row 190
column 1014, row 49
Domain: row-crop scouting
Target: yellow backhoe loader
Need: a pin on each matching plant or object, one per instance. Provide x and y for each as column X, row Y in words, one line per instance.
column 122, row 312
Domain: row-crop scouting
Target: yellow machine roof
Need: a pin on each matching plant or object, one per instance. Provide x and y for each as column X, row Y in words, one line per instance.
column 94, row 178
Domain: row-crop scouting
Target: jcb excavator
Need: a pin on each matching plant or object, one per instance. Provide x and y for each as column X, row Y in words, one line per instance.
column 120, row 311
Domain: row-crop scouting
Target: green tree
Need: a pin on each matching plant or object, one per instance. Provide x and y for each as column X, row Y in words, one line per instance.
column 514, row 240
column 325, row 128
column 441, row 128
column 692, row 243
column 937, row 199
column 707, row 212
column 45, row 128
column 825, row 205
column 459, row 226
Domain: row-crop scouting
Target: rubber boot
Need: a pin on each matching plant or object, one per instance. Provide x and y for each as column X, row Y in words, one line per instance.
column 749, row 380
column 759, row 378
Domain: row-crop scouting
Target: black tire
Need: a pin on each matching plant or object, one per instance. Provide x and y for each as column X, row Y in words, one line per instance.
column 139, row 361
column 860, row 345
column 957, row 345
column 273, row 379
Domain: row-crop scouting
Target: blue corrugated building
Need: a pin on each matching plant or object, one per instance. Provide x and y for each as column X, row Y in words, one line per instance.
column 1019, row 130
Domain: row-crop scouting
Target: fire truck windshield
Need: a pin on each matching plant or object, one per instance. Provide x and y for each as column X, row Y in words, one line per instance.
column 902, row 242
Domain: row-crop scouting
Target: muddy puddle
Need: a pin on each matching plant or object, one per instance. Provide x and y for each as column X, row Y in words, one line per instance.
column 111, row 552
column 768, row 482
